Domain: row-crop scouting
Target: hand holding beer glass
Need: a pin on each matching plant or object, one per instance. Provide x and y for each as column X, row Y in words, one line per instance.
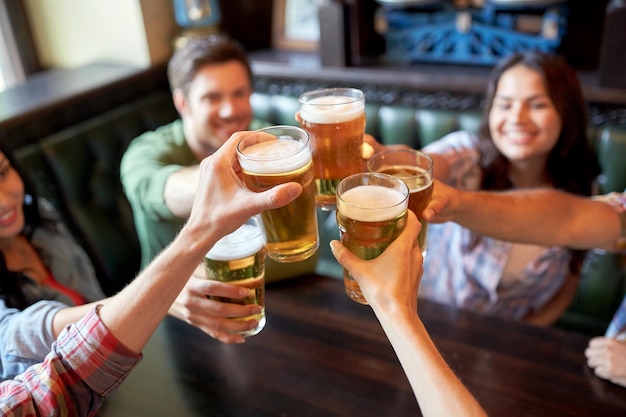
column 277, row 155
column 239, row 258
column 415, row 168
column 371, row 213
column 334, row 118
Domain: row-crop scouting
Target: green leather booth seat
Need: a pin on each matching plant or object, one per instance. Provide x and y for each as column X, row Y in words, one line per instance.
column 603, row 282
column 77, row 169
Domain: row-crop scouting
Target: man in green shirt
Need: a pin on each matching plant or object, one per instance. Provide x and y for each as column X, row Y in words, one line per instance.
column 211, row 82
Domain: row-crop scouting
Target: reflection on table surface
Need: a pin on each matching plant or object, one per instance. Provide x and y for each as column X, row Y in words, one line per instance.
column 322, row 354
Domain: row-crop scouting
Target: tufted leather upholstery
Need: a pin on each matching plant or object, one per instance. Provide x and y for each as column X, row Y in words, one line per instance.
column 77, row 169
column 603, row 283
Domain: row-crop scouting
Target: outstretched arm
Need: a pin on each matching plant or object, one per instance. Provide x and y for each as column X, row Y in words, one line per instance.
column 539, row 216
column 94, row 354
column 394, row 300
column 222, row 204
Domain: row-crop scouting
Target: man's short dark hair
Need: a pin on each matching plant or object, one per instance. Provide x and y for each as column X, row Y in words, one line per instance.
column 199, row 51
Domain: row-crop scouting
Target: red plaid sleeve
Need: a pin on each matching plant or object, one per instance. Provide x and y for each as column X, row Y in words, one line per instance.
column 85, row 364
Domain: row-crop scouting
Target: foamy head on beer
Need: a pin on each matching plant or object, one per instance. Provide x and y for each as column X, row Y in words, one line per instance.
column 371, row 203
column 291, row 230
column 332, row 109
column 274, row 157
column 369, row 218
column 239, row 258
column 242, row 243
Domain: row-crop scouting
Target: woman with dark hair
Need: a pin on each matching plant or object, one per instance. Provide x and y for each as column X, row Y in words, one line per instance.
column 534, row 135
column 42, row 272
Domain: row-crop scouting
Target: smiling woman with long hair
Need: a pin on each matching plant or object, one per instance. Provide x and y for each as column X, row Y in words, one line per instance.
column 533, row 135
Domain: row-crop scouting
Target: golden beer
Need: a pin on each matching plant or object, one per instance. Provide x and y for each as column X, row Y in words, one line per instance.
column 291, row 231
column 335, row 121
column 415, row 169
column 371, row 213
column 239, row 259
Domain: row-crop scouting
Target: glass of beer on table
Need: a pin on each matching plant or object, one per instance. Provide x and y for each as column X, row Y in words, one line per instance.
column 415, row 168
column 371, row 213
column 335, row 120
column 239, row 258
column 276, row 155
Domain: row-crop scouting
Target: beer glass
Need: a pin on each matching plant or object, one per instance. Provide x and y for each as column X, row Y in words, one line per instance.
column 239, row 258
column 276, row 155
column 415, row 168
column 371, row 213
column 335, row 120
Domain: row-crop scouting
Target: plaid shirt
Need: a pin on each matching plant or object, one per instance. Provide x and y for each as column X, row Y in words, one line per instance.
column 464, row 269
column 86, row 363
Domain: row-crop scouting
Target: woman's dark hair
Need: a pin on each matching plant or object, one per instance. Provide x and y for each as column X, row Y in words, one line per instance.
column 572, row 165
column 11, row 281
column 200, row 51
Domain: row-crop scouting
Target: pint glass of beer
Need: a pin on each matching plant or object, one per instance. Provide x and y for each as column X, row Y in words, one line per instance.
column 371, row 213
column 335, row 120
column 239, row 258
column 415, row 168
column 276, row 155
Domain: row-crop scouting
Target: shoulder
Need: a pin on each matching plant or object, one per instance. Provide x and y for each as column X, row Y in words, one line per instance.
column 167, row 135
column 165, row 145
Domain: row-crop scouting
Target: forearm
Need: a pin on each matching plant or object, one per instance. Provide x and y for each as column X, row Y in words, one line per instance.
column 436, row 387
column 543, row 217
column 180, row 189
column 145, row 301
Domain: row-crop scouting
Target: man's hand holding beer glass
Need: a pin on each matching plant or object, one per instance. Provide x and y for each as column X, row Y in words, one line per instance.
column 239, row 258
column 276, row 155
column 219, row 319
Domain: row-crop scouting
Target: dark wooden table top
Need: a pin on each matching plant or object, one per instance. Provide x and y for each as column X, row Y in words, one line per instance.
column 322, row 354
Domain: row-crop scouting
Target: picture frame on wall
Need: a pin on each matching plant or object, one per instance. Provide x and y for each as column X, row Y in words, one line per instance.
column 295, row 25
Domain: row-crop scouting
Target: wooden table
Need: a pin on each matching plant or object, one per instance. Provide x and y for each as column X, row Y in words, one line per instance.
column 322, row 354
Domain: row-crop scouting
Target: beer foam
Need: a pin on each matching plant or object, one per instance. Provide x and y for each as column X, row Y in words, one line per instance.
column 331, row 109
column 372, row 203
column 275, row 156
column 243, row 242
